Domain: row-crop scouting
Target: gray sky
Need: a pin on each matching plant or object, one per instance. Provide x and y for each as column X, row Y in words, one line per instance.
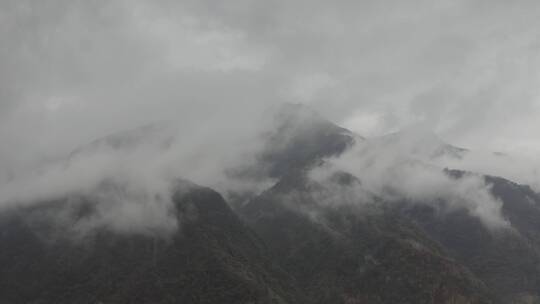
column 73, row 70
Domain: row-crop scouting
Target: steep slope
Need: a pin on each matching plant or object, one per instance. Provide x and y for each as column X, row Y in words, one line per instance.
column 356, row 254
column 213, row 258
column 314, row 241
column 507, row 260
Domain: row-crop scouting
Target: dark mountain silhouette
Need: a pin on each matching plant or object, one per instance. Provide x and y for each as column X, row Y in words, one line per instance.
column 356, row 255
column 212, row 258
column 508, row 260
column 302, row 240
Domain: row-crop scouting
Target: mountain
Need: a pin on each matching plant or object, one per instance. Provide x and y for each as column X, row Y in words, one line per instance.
column 320, row 244
column 349, row 254
column 300, row 139
column 508, row 260
column 318, row 233
column 346, row 254
column 212, row 258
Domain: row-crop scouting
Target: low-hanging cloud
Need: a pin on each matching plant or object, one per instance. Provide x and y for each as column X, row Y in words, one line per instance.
column 131, row 176
column 389, row 174
column 521, row 168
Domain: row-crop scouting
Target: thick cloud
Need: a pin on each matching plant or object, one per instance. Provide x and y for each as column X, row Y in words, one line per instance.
column 73, row 71
column 76, row 70
column 389, row 171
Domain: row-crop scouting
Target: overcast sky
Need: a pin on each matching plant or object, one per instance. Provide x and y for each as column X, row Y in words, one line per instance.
column 74, row 70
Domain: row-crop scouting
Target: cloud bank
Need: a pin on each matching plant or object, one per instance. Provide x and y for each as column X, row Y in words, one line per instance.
column 73, row 71
column 389, row 174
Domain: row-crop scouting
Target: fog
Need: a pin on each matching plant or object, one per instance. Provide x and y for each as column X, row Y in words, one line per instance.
column 390, row 174
column 132, row 175
column 72, row 72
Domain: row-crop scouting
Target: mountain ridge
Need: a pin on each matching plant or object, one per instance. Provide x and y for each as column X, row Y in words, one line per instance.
column 306, row 238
